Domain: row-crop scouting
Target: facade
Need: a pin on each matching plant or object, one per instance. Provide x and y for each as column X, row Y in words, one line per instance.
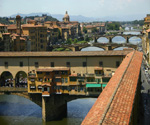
column 37, row 35
column 147, row 22
column 74, row 73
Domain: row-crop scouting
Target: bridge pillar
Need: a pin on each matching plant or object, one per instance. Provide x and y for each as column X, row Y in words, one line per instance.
column 127, row 39
column 95, row 40
column 53, row 108
column 110, row 40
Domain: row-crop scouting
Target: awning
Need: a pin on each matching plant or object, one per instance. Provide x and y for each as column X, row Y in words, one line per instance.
column 104, row 85
column 92, row 85
column 98, row 68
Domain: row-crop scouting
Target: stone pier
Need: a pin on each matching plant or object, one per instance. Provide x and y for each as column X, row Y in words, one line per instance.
column 53, row 107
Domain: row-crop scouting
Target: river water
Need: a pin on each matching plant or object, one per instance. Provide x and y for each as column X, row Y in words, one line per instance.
column 16, row 110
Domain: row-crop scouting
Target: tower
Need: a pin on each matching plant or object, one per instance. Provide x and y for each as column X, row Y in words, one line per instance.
column 66, row 17
column 18, row 23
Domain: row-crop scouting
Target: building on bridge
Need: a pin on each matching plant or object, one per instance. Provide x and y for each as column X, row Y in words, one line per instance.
column 85, row 73
column 55, row 78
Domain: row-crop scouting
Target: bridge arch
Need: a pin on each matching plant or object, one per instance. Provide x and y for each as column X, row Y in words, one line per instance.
column 118, row 39
column 135, row 39
column 103, row 39
column 6, row 78
column 21, row 79
column 92, row 48
column 122, row 47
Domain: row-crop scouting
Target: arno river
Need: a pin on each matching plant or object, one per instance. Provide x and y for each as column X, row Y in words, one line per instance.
column 15, row 110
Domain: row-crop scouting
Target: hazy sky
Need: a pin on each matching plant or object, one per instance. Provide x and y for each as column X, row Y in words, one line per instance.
column 89, row 8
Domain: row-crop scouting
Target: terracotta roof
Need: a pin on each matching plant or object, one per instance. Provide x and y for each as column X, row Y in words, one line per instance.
column 32, row 25
column 98, row 68
column 65, row 54
column 148, row 30
column 115, row 103
column 13, row 26
column 2, row 24
column 73, row 75
column 6, row 33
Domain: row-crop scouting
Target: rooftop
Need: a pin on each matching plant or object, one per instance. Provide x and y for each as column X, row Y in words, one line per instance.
column 65, row 54
column 115, row 103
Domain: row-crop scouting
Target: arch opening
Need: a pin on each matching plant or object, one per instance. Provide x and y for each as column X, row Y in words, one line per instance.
column 21, row 79
column 118, row 39
column 102, row 40
column 93, row 48
column 6, row 79
column 135, row 40
column 122, row 48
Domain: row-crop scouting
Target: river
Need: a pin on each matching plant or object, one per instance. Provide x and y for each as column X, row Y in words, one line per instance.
column 16, row 110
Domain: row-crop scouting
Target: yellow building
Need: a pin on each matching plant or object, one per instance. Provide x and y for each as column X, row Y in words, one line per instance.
column 37, row 35
column 63, row 72
column 147, row 22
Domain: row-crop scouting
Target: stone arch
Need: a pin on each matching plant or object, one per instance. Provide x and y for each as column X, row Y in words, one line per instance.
column 93, row 48
column 132, row 37
column 98, row 38
column 21, row 79
column 124, row 41
column 6, row 79
column 122, row 47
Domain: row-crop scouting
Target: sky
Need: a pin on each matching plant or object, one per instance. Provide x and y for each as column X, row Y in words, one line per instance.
column 88, row 8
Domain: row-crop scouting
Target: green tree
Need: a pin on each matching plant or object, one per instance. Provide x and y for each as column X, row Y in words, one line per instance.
column 84, row 30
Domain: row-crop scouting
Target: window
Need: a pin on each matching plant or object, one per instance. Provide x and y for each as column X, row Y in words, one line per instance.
column 21, row 64
column 84, row 64
column 68, row 64
column 6, row 64
column 100, row 63
column 52, row 64
column 47, row 73
column 73, row 79
column 117, row 63
column 36, row 64
column 62, row 80
column 40, row 79
column 57, row 80
column 66, row 80
column 41, row 46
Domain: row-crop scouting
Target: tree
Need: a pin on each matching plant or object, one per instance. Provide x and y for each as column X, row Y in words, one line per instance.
column 84, row 30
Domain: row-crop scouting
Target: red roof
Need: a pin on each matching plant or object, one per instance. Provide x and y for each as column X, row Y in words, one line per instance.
column 115, row 103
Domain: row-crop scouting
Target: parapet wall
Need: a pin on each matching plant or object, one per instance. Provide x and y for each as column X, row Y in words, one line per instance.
column 118, row 102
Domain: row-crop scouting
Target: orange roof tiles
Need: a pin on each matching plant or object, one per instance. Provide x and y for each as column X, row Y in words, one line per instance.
column 148, row 30
column 98, row 68
column 65, row 54
column 52, row 69
column 115, row 103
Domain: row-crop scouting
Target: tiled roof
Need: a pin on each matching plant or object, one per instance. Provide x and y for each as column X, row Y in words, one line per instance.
column 115, row 103
column 64, row 54
column 148, row 30
column 13, row 26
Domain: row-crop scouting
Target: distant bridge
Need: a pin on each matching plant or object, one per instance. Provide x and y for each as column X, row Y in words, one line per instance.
column 110, row 37
column 105, row 46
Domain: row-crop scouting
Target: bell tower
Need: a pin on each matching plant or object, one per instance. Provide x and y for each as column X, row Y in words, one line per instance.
column 18, row 24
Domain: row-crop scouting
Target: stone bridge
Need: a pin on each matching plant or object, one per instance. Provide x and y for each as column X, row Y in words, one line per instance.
column 110, row 37
column 105, row 46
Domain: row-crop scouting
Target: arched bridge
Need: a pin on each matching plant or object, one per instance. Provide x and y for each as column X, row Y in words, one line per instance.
column 105, row 46
column 110, row 37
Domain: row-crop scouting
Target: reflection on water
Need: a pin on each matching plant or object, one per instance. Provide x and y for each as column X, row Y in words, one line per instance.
column 16, row 110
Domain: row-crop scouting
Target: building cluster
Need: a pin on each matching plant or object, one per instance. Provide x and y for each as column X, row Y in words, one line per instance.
column 78, row 73
column 146, row 39
column 37, row 35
